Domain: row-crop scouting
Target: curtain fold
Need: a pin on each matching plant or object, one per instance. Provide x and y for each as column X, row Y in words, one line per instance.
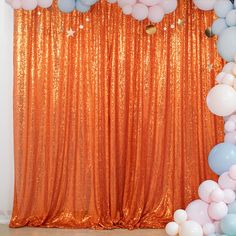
column 111, row 127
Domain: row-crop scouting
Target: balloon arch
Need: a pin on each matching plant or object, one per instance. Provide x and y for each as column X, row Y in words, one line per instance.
column 214, row 213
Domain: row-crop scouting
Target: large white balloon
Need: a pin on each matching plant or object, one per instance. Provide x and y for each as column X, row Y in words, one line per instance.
column 190, row 228
column 221, row 100
column 226, row 44
column 205, row 5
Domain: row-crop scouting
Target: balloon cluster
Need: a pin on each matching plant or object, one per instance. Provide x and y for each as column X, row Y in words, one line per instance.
column 154, row 10
column 66, row 6
column 29, row 4
column 214, row 213
column 221, row 100
column 224, row 26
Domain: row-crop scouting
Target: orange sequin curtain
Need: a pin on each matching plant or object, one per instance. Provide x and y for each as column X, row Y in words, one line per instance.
column 111, row 126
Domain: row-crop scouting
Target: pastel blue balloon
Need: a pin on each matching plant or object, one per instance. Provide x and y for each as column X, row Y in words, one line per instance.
column 219, row 25
column 232, row 208
column 226, row 44
column 228, row 225
column 89, row 2
column 66, row 6
column 222, row 7
column 81, row 7
column 231, row 18
column 222, row 157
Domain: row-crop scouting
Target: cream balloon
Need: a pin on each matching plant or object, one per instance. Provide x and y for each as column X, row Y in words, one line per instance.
column 172, row 228
column 190, row 228
column 221, row 100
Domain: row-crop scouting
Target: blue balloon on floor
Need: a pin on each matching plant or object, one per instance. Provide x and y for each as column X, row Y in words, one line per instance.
column 66, row 6
column 222, row 157
column 228, row 225
column 226, row 44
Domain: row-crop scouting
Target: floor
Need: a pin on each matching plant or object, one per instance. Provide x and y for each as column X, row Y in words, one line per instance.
column 5, row 231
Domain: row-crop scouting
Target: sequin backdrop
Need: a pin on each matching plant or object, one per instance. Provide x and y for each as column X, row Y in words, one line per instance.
column 111, row 127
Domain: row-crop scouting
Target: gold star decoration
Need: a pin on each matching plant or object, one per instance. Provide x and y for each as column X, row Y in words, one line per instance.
column 70, row 33
column 180, row 22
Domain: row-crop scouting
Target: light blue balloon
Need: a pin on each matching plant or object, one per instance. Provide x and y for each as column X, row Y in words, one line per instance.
column 66, row 6
column 226, row 44
column 219, row 25
column 228, row 225
column 222, row 157
column 231, row 18
column 89, row 2
column 222, row 7
column 232, row 208
column 81, row 7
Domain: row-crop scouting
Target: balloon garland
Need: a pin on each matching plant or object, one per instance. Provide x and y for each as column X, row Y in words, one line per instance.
column 154, row 10
column 214, row 213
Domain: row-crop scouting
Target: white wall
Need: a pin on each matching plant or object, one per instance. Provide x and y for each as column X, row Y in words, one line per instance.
column 6, row 111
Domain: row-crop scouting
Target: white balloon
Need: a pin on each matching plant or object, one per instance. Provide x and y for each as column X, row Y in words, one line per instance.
column 217, row 210
column 228, row 79
column 218, row 26
column 168, row 6
column 172, row 228
column 180, row 216
column 229, row 196
column 150, row 2
column 45, row 3
column 230, row 126
column 29, row 5
column 217, row 195
column 190, row 228
column 228, row 67
column 231, row 18
column 122, row 3
column 127, row 9
column 232, row 172
column 205, row 5
column 222, row 7
column 206, row 188
column 140, row 11
column 16, row 4
column 221, row 100
column 226, row 46
column 209, row 228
